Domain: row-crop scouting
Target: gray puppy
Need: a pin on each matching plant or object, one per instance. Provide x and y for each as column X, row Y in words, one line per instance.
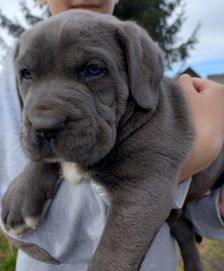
column 94, row 99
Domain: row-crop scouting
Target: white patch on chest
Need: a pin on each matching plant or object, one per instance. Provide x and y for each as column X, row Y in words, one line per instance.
column 73, row 173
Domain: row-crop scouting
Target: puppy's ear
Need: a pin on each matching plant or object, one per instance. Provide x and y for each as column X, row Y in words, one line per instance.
column 144, row 64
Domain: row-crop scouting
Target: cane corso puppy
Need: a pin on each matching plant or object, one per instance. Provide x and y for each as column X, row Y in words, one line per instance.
column 95, row 101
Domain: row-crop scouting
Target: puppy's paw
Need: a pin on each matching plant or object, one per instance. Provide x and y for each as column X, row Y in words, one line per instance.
column 22, row 208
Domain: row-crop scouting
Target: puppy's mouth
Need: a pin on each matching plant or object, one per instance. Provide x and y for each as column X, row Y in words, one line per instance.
column 75, row 136
column 46, row 141
column 68, row 142
column 40, row 136
column 41, row 147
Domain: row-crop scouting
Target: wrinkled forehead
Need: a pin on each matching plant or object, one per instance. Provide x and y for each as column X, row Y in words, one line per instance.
column 73, row 35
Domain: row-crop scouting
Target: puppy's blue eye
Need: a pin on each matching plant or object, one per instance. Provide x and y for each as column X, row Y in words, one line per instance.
column 93, row 70
column 26, row 74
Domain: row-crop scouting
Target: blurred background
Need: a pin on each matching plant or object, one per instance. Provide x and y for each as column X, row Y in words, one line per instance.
column 189, row 31
column 191, row 34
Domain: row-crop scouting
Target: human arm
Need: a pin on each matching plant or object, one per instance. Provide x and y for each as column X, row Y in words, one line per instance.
column 206, row 101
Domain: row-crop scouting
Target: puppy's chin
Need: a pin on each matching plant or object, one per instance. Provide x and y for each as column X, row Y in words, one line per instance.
column 88, row 152
column 75, row 155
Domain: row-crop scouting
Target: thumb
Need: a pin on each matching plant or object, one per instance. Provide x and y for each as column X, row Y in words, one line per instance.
column 187, row 86
column 199, row 83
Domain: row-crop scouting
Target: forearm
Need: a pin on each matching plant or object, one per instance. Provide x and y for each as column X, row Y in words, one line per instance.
column 206, row 103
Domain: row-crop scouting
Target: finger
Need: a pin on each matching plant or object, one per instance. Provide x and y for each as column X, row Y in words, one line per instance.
column 185, row 78
column 187, row 86
column 199, row 83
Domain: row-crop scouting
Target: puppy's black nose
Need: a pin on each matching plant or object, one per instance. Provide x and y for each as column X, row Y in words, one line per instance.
column 48, row 127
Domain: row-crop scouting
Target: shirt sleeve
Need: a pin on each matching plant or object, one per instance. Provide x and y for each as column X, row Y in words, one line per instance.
column 205, row 216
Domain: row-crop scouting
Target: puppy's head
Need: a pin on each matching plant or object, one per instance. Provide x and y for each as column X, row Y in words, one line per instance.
column 76, row 73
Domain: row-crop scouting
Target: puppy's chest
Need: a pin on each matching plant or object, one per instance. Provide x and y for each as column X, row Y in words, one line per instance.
column 73, row 173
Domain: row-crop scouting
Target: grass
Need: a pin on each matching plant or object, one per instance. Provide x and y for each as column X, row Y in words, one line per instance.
column 212, row 253
column 7, row 255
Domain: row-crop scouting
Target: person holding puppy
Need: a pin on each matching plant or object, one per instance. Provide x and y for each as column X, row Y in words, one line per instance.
column 74, row 222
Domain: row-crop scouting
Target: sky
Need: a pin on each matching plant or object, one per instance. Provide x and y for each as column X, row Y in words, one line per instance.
column 208, row 55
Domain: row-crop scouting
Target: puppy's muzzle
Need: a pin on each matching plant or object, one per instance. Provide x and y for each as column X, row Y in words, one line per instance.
column 48, row 127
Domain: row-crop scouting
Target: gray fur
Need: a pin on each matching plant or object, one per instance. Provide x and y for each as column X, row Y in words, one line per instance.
column 129, row 127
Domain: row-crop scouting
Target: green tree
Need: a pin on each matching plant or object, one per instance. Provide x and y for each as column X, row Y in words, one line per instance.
column 163, row 19
column 14, row 27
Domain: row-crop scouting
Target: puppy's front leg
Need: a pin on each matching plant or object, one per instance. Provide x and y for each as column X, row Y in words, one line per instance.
column 23, row 202
column 135, row 215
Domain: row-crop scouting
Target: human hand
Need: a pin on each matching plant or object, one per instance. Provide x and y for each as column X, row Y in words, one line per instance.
column 206, row 101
